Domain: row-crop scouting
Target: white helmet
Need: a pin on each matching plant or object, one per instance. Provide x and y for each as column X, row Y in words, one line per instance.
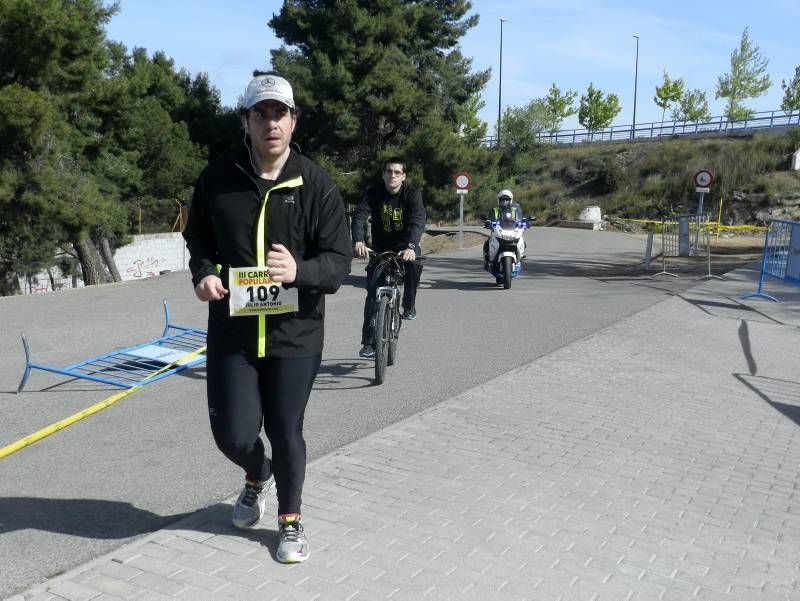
column 505, row 197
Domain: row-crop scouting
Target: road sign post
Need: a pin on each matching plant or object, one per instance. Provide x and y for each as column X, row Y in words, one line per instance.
column 702, row 181
column 461, row 181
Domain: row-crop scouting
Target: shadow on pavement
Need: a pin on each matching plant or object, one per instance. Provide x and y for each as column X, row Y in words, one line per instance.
column 345, row 374
column 216, row 519
column 732, row 309
column 72, row 384
column 549, row 267
column 772, row 389
column 87, row 518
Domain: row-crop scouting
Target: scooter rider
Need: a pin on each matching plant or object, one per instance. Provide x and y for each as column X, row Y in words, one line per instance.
column 506, row 210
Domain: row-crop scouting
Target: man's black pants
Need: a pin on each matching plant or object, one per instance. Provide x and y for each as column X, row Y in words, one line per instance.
column 245, row 394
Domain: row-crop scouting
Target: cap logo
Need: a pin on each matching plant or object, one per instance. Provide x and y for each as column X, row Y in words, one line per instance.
column 268, row 88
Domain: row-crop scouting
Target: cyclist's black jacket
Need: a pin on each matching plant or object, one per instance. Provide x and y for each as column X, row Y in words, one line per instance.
column 398, row 220
column 306, row 215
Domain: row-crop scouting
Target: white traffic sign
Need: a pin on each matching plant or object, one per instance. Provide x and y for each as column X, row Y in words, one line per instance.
column 703, row 178
column 462, row 181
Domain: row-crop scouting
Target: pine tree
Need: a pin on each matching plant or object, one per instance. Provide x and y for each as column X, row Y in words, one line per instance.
column 88, row 133
column 376, row 78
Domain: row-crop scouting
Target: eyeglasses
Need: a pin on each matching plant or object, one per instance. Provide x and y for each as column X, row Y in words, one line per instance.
column 505, row 198
column 393, row 172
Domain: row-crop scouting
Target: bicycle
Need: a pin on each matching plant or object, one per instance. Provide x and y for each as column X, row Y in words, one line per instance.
column 389, row 274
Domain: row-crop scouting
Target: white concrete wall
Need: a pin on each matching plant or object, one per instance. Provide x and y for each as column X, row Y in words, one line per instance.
column 146, row 257
column 150, row 254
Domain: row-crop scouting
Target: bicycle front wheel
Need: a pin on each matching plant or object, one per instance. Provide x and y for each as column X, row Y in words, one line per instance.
column 383, row 325
column 394, row 332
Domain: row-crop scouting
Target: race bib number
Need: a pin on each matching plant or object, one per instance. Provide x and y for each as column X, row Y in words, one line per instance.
column 252, row 292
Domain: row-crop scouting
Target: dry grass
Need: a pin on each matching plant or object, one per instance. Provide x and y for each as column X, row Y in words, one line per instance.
column 432, row 244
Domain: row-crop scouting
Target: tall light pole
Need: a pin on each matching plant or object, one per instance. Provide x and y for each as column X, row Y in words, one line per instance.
column 635, row 83
column 500, row 83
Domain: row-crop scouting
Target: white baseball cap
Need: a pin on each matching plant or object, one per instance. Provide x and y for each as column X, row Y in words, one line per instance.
column 268, row 87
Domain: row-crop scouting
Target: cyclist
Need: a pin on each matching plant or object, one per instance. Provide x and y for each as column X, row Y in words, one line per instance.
column 398, row 220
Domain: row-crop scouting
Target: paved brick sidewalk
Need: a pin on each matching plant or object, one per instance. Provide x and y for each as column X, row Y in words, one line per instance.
column 655, row 460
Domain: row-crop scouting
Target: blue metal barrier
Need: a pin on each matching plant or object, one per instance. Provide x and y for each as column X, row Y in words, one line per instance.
column 781, row 256
column 136, row 365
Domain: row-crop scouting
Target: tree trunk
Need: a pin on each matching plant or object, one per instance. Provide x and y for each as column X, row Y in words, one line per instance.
column 91, row 263
column 9, row 283
column 108, row 259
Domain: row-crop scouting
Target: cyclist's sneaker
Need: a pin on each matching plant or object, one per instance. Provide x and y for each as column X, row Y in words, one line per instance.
column 250, row 505
column 410, row 313
column 292, row 543
column 367, row 351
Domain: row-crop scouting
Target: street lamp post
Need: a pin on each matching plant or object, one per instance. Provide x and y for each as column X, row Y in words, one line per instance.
column 500, row 83
column 635, row 83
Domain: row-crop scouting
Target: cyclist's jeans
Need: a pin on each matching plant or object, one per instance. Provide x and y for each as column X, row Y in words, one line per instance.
column 409, row 296
column 243, row 394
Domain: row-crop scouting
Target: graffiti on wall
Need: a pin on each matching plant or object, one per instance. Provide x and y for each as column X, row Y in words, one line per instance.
column 148, row 256
column 143, row 268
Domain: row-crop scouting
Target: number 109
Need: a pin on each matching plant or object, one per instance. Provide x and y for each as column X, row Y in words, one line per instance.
column 263, row 293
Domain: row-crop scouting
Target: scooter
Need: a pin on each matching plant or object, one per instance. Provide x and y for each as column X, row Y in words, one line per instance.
column 506, row 248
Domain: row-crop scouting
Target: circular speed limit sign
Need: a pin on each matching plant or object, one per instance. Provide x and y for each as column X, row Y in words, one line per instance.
column 703, row 178
column 461, row 180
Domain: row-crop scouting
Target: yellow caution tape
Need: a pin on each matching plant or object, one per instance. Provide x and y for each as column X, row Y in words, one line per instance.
column 711, row 225
column 68, row 421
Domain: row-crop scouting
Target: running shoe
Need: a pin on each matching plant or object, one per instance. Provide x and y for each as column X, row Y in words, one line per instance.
column 292, row 543
column 250, row 505
column 367, row 351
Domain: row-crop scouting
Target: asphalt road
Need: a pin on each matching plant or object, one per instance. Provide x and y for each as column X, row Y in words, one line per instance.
column 150, row 460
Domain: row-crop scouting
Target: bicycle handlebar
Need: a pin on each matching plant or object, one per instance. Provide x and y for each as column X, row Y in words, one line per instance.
column 375, row 253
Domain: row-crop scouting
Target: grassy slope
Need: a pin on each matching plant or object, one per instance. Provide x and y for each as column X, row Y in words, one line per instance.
column 646, row 179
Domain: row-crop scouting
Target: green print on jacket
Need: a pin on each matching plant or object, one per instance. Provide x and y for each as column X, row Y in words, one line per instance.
column 392, row 218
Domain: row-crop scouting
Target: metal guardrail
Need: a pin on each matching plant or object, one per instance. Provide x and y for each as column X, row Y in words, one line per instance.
column 762, row 120
column 686, row 236
column 781, row 256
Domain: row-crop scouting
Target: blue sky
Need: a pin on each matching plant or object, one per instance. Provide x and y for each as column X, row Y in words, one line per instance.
column 569, row 42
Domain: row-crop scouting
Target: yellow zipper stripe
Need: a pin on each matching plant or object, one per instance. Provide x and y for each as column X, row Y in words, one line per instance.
column 261, row 253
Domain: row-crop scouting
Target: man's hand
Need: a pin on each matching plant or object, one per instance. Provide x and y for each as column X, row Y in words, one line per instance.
column 407, row 254
column 210, row 288
column 361, row 250
column 281, row 265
